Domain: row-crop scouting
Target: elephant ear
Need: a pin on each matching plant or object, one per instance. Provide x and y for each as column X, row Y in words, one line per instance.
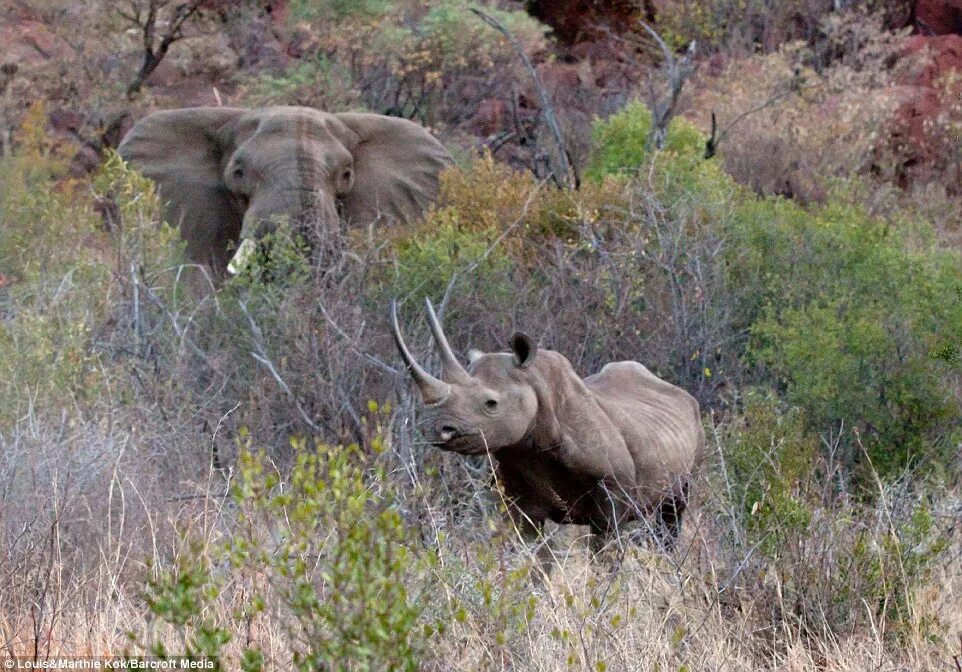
column 183, row 152
column 396, row 167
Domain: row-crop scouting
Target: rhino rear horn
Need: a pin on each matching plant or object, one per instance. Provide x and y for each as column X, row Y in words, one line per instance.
column 451, row 368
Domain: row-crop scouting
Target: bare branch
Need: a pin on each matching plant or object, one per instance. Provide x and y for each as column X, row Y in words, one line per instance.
column 663, row 106
column 260, row 355
column 795, row 85
column 564, row 177
column 154, row 53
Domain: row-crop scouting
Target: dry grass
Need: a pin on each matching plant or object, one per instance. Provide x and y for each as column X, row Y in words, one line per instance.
column 67, row 593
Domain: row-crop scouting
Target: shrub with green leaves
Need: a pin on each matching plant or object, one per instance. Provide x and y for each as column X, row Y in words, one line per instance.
column 835, row 559
column 621, row 141
column 63, row 283
column 852, row 316
column 768, row 463
column 336, row 559
column 441, row 250
column 859, row 328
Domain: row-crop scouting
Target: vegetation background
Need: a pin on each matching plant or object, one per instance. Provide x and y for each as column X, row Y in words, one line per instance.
column 758, row 200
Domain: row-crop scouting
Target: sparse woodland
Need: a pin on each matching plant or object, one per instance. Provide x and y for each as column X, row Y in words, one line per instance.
column 760, row 201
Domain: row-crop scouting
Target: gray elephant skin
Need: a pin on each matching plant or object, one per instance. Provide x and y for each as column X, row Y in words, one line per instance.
column 227, row 174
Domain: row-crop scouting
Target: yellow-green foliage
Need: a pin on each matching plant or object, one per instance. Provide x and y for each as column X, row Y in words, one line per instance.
column 621, row 141
column 774, row 477
column 852, row 313
column 52, row 303
column 485, row 202
column 343, row 567
column 332, row 559
column 60, row 267
column 770, row 457
column 490, row 195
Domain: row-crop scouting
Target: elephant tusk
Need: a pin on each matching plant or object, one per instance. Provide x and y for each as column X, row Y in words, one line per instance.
column 242, row 257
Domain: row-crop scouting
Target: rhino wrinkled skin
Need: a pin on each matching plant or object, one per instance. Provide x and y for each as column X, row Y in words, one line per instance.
column 617, row 446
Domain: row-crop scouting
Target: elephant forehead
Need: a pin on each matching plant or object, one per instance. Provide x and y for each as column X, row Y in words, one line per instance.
column 299, row 122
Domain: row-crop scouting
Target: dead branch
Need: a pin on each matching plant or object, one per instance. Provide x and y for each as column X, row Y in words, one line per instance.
column 147, row 19
column 564, row 177
column 663, row 105
column 259, row 353
column 714, row 141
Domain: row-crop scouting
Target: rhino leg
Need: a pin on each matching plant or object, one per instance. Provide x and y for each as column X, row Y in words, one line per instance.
column 531, row 531
column 669, row 518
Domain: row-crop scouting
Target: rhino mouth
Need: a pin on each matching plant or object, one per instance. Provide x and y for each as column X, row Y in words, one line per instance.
column 463, row 444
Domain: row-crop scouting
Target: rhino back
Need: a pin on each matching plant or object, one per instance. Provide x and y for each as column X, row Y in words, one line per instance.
column 660, row 423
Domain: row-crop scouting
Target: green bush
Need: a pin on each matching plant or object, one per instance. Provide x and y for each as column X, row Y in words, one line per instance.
column 405, row 57
column 769, row 460
column 67, row 279
column 859, row 328
column 833, row 557
column 853, row 317
column 336, row 560
column 457, row 36
column 621, row 141
column 442, row 250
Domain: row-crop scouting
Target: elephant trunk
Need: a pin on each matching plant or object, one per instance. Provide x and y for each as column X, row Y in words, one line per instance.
column 300, row 208
column 304, row 210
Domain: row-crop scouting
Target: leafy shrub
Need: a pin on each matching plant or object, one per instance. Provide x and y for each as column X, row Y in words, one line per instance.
column 62, row 279
column 428, row 261
column 768, row 465
column 456, row 37
column 335, row 559
column 853, row 315
column 860, row 331
column 828, row 556
column 622, row 141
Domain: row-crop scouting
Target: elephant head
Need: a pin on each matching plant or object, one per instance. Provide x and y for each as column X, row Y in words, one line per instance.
column 228, row 174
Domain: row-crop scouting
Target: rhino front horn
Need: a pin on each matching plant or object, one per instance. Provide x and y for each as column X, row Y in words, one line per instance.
column 433, row 390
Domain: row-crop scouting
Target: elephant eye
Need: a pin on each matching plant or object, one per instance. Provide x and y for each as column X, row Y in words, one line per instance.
column 491, row 403
column 238, row 173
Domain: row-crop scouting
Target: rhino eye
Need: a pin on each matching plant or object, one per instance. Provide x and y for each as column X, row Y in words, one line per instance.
column 491, row 403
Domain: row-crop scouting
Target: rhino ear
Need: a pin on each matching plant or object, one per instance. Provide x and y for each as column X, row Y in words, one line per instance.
column 524, row 349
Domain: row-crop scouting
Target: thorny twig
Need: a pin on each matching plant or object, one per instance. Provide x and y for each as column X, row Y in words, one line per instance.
column 259, row 354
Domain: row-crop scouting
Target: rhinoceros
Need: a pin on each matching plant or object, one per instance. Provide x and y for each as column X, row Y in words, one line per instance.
column 617, row 446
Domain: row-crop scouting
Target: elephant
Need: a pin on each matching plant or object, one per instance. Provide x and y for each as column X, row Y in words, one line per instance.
column 229, row 174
